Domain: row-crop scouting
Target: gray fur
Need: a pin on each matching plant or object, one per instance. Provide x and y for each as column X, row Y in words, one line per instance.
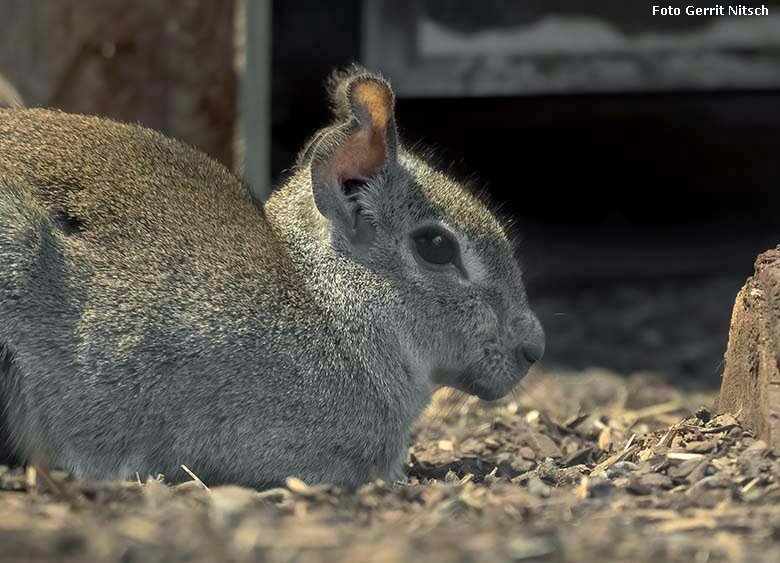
column 151, row 314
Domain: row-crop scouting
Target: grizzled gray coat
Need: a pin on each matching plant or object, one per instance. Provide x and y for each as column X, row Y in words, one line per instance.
column 152, row 314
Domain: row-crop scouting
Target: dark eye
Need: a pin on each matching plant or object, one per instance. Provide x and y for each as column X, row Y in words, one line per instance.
column 435, row 246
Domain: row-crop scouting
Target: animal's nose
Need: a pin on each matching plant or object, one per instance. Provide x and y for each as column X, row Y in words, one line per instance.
column 530, row 352
column 532, row 341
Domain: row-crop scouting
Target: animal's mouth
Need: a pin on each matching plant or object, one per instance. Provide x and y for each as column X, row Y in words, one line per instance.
column 488, row 392
column 490, row 377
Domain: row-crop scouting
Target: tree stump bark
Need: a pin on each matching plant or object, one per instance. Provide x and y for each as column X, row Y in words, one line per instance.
column 751, row 379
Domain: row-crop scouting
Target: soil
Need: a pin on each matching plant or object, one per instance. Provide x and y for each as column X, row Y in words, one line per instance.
column 572, row 467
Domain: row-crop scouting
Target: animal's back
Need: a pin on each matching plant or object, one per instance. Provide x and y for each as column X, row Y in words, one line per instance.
column 112, row 239
column 134, row 214
column 108, row 179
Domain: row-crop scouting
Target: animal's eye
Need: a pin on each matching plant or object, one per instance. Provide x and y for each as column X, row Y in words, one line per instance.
column 435, row 246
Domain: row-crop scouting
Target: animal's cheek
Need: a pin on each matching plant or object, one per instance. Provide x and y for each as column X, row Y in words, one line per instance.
column 479, row 319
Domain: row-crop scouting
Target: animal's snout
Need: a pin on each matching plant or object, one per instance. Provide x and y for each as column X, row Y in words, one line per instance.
column 530, row 348
column 529, row 352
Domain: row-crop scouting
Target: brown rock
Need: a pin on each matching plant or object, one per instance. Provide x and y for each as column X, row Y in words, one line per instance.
column 541, row 444
column 701, row 447
column 751, row 379
column 636, row 487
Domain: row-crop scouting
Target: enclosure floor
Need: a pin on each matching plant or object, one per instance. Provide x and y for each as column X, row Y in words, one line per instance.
column 576, row 467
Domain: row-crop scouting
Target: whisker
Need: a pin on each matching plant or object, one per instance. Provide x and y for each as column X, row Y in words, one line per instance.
column 462, row 400
column 456, row 404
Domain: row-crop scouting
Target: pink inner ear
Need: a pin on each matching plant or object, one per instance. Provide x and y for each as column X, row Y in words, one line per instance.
column 361, row 156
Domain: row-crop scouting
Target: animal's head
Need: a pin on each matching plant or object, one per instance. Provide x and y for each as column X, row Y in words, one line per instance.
column 451, row 261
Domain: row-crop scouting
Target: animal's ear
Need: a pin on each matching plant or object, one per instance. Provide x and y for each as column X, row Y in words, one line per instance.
column 355, row 151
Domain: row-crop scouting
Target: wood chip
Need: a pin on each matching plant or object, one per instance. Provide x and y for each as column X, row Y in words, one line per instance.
column 445, row 445
column 575, row 421
column 666, row 439
column 297, row 486
column 686, row 524
column 605, row 439
column 753, row 482
column 31, row 476
column 683, row 456
column 194, row 477
column 620, row 456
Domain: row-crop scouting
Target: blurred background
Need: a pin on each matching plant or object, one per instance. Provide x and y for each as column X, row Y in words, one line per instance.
column 638, row 153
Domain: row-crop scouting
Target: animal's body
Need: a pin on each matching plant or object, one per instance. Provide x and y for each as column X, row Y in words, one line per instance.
column 152, row 314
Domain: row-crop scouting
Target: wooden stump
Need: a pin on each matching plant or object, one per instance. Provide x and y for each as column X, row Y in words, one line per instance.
column 751, row 379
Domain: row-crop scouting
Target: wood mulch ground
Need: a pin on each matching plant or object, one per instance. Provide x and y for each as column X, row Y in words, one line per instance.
column 573, row 467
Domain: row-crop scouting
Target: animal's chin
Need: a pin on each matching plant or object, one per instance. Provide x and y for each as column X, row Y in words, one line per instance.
column 474, row 382
column 487, row 393
column 489, row 383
